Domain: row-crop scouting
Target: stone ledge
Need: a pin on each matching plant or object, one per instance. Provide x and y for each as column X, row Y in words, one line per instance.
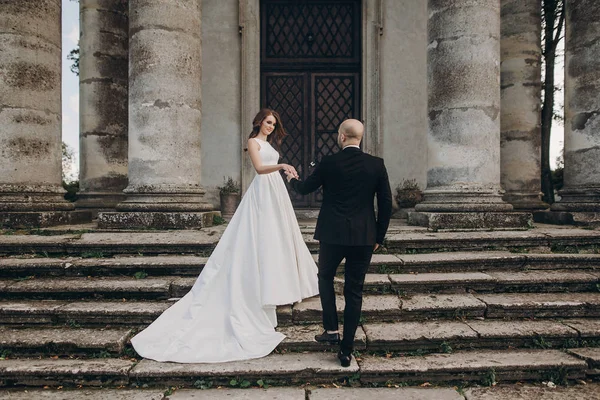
column 471, row 221
column 590, row 354
column 529, row 392
column 385, row 394
column 289, row 368
column 472, row 366
column 42, row 219
column 68, row 373
column 155, row 220
column 63, row 341
column 567, row 217
column 84, row 394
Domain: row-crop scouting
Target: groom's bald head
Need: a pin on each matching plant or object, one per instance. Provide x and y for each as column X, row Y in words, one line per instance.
column 353, row 129
column 350, row 133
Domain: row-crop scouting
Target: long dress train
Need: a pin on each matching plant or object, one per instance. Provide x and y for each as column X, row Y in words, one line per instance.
column 260, row 262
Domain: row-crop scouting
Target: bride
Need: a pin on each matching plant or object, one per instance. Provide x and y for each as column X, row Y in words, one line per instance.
column 260, row 262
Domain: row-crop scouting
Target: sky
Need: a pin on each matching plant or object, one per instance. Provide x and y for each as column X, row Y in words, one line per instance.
column 70, row 89
column 70, row 81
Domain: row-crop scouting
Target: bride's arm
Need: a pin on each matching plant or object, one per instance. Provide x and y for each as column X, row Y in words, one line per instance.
column 253, row 149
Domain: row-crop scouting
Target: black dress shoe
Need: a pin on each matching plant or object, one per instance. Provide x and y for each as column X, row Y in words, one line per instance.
column 329, row 338
column 345, row 359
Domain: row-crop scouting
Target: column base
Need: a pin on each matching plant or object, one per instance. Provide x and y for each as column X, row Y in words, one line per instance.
column 463, row 199
column 525, row 202
column 33, row 198
column 567, row 218
column 578, row 200
column 42, row 219
column 97, row 202
column 155, row 220
column 471, row 221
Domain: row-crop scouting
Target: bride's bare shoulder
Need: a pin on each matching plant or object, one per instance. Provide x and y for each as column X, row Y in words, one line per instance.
column 253, row 144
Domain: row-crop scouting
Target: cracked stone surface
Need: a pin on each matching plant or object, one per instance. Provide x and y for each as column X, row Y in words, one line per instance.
column 83, row 394
column 40, row 311
column 585, row 327
column 538, row 392
column 590, row 354
column 534, row 277
column 445, row 282
column 491, row 329
column 431, row 366
column 303, row 337
column 290, row 365
column 385, row 394
column 31, row 367
column 117, row 312
column 272, row 393
column 417, row 334
column 374, row 306
column 432, row 306
column 90, row 285
column 96, row 339
column 542, row 304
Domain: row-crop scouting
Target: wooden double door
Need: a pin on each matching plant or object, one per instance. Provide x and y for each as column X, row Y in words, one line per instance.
column 310, row 74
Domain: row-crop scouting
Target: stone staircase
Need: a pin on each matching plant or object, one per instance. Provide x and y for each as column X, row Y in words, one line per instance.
column 443, row 308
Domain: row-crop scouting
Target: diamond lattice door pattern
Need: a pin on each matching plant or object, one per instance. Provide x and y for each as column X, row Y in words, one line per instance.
column 310, row 74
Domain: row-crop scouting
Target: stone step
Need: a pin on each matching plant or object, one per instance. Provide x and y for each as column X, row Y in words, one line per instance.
column 404, row 337
column 376, row 308
column 299, row 368
column 202, row 242
column 486, row 367
column 580, row 391
column 164, row 287
column 585, row 391
column 97, row 287
column 105, row 372
column 541, row 305
column 83, row 394
column 461, row 282
column 63, row 341
column 592, row 357
column 190, row 265
column 446, row 336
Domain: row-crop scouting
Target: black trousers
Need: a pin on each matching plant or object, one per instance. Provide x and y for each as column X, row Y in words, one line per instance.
column 357, row 263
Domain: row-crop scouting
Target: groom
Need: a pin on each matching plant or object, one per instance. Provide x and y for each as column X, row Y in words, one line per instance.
column 347, row 228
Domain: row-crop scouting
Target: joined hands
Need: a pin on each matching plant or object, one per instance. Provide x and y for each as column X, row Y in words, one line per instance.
column 290, row 172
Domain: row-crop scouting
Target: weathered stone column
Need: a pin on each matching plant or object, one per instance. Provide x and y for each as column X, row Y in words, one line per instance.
column 581, row 191
column 103, row 75
column 463, row 177
column 520, row 119
column 31, row 192
column 164, row 167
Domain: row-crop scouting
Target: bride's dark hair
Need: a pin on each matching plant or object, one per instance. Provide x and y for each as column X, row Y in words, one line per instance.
column 278, row 133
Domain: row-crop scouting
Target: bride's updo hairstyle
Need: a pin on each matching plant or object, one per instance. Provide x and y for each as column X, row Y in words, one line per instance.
column 278, row 133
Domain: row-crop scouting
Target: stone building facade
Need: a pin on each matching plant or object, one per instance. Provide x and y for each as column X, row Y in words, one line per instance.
column 449, row 91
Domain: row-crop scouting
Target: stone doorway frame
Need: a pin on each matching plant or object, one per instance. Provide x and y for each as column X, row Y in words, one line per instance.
column 249, row 28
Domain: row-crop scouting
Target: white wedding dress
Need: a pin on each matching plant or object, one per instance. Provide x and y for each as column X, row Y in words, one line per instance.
column 260, row 262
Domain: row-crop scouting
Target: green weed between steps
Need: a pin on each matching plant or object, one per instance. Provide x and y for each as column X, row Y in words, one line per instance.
column 489, row 378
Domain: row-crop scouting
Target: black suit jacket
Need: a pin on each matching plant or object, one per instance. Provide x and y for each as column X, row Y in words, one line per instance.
column 350, row 181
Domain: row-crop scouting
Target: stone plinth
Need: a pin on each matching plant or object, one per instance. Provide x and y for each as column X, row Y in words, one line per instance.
column 471, row 220
column 156, row 220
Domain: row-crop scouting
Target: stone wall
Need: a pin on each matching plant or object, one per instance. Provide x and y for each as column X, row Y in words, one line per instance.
column 404, row 90
column 221, row 75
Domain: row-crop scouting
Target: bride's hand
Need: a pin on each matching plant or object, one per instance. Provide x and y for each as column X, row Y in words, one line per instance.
column 290, row 171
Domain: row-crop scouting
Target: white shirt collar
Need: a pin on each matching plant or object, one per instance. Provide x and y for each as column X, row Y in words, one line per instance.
column 351, row 145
